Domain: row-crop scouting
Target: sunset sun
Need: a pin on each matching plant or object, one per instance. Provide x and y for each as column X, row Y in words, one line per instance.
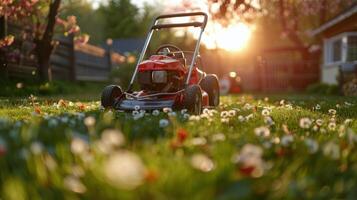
column 234, row 37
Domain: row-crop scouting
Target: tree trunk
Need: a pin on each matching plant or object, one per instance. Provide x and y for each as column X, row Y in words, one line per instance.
column 44, row 45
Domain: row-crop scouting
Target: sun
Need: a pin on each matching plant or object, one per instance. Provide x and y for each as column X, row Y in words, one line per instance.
column 234, row 37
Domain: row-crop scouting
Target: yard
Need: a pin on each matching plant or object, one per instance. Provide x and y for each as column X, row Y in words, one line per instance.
column 252, row 146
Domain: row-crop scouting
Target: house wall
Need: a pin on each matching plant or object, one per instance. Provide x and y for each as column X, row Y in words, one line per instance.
column 330, row 71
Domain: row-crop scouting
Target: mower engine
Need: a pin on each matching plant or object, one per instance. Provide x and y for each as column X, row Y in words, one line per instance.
column 161, row 74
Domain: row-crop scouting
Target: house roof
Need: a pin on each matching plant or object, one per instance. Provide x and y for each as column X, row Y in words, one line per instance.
column 339, row 18
column 128, row 45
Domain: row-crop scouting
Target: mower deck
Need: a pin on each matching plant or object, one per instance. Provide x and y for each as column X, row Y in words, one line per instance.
column 131, row 104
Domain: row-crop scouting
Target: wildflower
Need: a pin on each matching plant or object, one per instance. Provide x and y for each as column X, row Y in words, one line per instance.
column 312, row 145
column 125, row 170
column 319, row 122
column 250, row 159
column 348, row 121
column 331, row 150
column 247, row 106
column 194, row 118
column 265, row 112
column 181, row 134
column 225, row 120
column 269, row 121
column 305, row 123
column 167, row 110
column 112, row 138
column 73, row 184
column 184, row 111
column 286, row 140
column 241, row 118
column 262, row 132
column 79, row 146
column 202, row 163
column 89, row 121
column 198, row 141
column 155, row 112
column 317, row 107
column 172, row 114
column 332, row 126
column 137, row 107
column 218, row 137
column 19, row 85
column 224, row 114
column 332, row 111
column 163, row 123
column 186, row 116
column 248, row 117
column 36, row 148
column 231, row 113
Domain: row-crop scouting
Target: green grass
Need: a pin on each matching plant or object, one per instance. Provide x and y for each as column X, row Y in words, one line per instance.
column 59, row 152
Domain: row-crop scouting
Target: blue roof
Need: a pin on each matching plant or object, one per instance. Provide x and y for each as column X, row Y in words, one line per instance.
column 128, row 45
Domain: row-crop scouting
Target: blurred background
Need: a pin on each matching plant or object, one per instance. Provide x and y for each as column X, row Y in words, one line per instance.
column 252, row 45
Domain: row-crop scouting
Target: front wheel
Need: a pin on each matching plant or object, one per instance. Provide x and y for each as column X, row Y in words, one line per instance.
column 109, row 95
column 210, row 85
column 193, row 99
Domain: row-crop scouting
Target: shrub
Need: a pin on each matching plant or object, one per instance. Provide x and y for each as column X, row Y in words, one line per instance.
column 350, row 88
column 323, row 88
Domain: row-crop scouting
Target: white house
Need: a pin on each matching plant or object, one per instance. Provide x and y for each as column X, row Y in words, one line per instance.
column 339, row 45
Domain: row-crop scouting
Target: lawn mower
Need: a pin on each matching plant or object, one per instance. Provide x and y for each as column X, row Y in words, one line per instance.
column 166, row 79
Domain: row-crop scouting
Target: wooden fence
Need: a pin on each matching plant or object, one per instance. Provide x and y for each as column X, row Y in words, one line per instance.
column 69, row 61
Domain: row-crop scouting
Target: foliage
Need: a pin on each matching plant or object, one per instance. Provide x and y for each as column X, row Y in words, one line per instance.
column 123, row 19
column 293, row 148
column 122, row 74
column 350, row 88
column 323, row 88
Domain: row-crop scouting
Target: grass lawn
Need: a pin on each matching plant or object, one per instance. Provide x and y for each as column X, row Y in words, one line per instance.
column 251, row 147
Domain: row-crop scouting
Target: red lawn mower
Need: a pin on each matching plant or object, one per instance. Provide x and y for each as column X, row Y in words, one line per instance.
column 165, row 79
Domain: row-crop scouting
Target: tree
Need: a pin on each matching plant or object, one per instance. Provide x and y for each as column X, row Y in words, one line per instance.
column 41, row 17
column 125, row 20
column 293, row 17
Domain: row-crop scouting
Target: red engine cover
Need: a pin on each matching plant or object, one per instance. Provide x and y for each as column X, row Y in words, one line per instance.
column 161, row 62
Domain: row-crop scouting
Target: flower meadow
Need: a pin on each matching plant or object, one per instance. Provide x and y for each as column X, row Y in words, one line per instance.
column 248, row 148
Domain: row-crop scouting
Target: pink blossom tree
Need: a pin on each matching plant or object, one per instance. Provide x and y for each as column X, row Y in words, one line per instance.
column 42, row 18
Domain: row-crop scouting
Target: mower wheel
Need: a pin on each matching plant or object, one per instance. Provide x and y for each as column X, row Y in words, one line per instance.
column 210, row 85
column 193, row 99
column 109, row 94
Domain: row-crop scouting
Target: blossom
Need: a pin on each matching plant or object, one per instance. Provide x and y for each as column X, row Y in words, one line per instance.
column 167, row 110
column 198, row 141
column 319, row 122
column 218, row 137
column 305, row 123
column 262, row 132
column 155, row 112
column 181, row 135
column 112, row 138
column 317, row 107
column 286, row 140
column 74, row 184
column 332, row 150
column 202, row 163
column 125, row 170
column 89, row 121
column 332, row 126
column 332, row 111
column 265, row 112
column 79, row 146
column 36, row 148
column 312, row 145
column 163, row 123
column 250, row 159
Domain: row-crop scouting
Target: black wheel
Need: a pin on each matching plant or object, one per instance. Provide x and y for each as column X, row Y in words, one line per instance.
column 210, row 85
column 109, row 94
column 193, row 99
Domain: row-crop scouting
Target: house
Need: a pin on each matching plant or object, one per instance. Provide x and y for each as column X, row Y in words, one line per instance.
column 339, row 45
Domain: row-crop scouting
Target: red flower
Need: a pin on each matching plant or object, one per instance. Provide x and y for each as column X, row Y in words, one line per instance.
column 181, row 135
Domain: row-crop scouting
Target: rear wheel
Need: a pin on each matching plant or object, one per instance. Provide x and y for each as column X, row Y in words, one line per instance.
column 193, row 99
column 210, row 85
column 109, row 95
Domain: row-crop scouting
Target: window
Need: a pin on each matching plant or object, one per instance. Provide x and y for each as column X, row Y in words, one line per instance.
column 340, row 49
column 352, row 48
column 336, row 50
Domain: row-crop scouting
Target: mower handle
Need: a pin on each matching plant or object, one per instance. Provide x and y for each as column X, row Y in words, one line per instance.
column 194, row 24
